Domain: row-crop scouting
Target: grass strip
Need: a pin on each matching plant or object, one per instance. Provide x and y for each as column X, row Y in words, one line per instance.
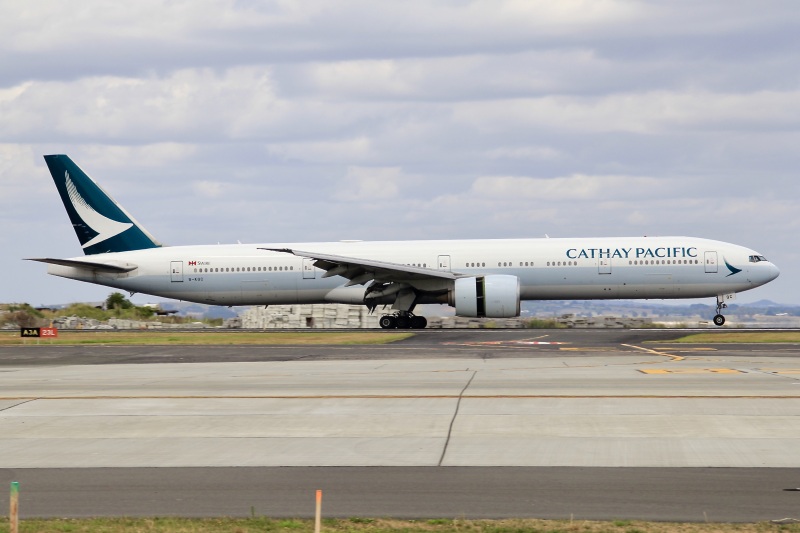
column 743, row 337
column 150, row 337
column 371, row 525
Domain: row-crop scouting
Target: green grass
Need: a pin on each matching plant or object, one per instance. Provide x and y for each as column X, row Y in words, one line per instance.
column 741, row 337
column 352, row 525
column 539, row 323
column 207, row 338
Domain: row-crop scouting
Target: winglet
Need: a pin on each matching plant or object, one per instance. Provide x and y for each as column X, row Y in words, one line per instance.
column 101, row 224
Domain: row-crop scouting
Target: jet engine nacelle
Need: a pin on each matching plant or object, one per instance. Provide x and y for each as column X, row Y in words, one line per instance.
column 494, row 296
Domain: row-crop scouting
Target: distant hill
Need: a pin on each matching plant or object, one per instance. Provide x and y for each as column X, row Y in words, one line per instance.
column 649, row 308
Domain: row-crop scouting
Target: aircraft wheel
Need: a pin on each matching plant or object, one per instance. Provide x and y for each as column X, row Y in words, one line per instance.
column 418, row 322
column 403, row 322
column 387, row 322
column 719, row 320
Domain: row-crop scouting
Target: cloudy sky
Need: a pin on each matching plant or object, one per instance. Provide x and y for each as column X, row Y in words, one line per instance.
column 217, row 121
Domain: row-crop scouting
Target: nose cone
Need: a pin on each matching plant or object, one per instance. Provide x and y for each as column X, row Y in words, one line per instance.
column 773, row 272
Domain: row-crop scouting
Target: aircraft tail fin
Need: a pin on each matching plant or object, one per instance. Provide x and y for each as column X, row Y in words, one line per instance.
column 101, row 224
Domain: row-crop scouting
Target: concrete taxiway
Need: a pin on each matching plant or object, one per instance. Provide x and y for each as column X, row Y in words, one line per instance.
column 557, row 404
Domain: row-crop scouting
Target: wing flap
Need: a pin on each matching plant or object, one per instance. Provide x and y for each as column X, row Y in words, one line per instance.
column 362, row 270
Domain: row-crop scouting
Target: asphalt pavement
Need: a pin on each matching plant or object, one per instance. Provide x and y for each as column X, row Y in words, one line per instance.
column 588, row 424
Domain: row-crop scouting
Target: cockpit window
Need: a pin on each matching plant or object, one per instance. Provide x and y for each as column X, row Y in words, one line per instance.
column 757, row 258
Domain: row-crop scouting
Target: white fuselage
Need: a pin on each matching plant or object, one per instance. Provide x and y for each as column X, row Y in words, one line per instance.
column 548, row 269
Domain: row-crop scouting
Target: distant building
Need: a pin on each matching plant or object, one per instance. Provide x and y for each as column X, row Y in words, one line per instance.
column 309, row 316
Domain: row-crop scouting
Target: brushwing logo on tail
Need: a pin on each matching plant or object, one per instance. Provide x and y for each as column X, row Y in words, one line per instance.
column 102, row 225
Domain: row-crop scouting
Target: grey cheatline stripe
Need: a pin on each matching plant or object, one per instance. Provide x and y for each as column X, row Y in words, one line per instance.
column 455, row 414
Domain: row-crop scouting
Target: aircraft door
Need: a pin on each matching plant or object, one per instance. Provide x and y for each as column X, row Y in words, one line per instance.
column 176, row 271
column 444, row 263
column 604, row 265
column 711, row 262
column 308, row 269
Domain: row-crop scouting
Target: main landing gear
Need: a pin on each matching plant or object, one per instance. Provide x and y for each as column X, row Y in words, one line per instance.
column 718, row 318
column 403, row 320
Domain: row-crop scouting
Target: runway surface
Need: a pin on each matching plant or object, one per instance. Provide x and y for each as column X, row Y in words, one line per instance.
column 486, row 423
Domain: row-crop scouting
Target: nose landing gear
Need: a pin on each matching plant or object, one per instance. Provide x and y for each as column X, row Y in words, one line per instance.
column 403, row 320
column 718, row 318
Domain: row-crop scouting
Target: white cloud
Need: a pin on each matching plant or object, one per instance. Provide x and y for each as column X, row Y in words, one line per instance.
column 429, row 119
column 21, row 174
column 576, row 187
column 524, row 152
column 344, row 151
column 208, row 189
column 148, row 155
column 370, row 184
column 640, row 113
column 188, row 104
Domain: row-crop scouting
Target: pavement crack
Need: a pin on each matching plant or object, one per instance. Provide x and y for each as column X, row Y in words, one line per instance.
column 18, row 404
column 455, row 414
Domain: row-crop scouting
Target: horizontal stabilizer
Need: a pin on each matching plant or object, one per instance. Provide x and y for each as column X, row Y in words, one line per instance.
column 88, row 265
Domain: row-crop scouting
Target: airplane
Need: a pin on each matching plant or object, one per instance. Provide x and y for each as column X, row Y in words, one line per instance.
column 479, row 278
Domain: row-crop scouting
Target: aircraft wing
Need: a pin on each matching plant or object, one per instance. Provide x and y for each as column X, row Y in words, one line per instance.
column 88, row 265
column 360, row 271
